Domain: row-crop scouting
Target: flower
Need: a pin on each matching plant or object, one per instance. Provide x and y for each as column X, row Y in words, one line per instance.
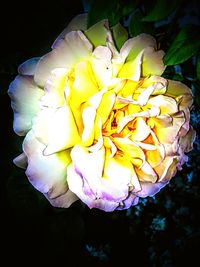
column 100, row 123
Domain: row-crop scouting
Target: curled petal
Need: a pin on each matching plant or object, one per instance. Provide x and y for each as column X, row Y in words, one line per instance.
column 135, row 45
column 74, row 48
column 56, row 128
column 101, row 64
column 48, row 174
column 150, row 189
column 152, row 62
column 63, row 201
column 97, row 34
column 25, row 96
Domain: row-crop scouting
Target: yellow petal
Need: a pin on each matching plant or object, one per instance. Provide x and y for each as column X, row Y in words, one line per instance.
column 132, row 68
column 62, row 132
column 167, row 169
column 130, row 149
column 56, row 128
column 169, row 134
column 108, row 100
column 84, row 85
column 179, row 90
column 166, row 104
column 141, row 130
column 88, row 115
column 97, row 34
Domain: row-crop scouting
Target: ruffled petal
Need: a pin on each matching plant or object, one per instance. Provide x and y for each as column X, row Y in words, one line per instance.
column 97, row 34
column 48, row 174
column 132, row 68
column 134, row 46
column 77, row 23
column 152, row 63
column 56, row 128
column 67, row 52
column 150, row 189
column 84, row 85
column 25, row 96
column 55, row 89
column 76, row 184
column 28, row 67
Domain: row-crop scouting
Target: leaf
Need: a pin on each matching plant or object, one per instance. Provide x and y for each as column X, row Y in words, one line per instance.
column 128, row 6
column 103, row 9
column 161, row 10
column 185, row 45
column 112, row 10
column 137, row 26
column 120, row 35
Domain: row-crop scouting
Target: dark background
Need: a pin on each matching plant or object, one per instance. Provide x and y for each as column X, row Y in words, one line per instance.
column 160, row 231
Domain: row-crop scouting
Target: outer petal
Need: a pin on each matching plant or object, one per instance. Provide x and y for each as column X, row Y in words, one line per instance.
column 77, row 23
column 90, row 166
column 76, row 184
column 25, row 97
column 152, row 62
column 135, row 45
column 150, row 189
column 132, row 68
column 84, row 85
column 56, row 129
column 28, row 67
column 74, row 48
column 63, row 201
column 97, row 34
column 180, row 92
column 48, row 174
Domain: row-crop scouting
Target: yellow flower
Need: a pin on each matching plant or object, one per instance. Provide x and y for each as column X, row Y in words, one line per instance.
column 100, row 124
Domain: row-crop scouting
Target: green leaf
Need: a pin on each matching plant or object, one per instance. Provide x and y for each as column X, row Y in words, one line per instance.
column 128, row 6
column 137, row 26
column 198, row 67
column 120, row 35
column 161, row 10
column 184, row 46
column 97, row 33
column 103, row 9
column 112, row 10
